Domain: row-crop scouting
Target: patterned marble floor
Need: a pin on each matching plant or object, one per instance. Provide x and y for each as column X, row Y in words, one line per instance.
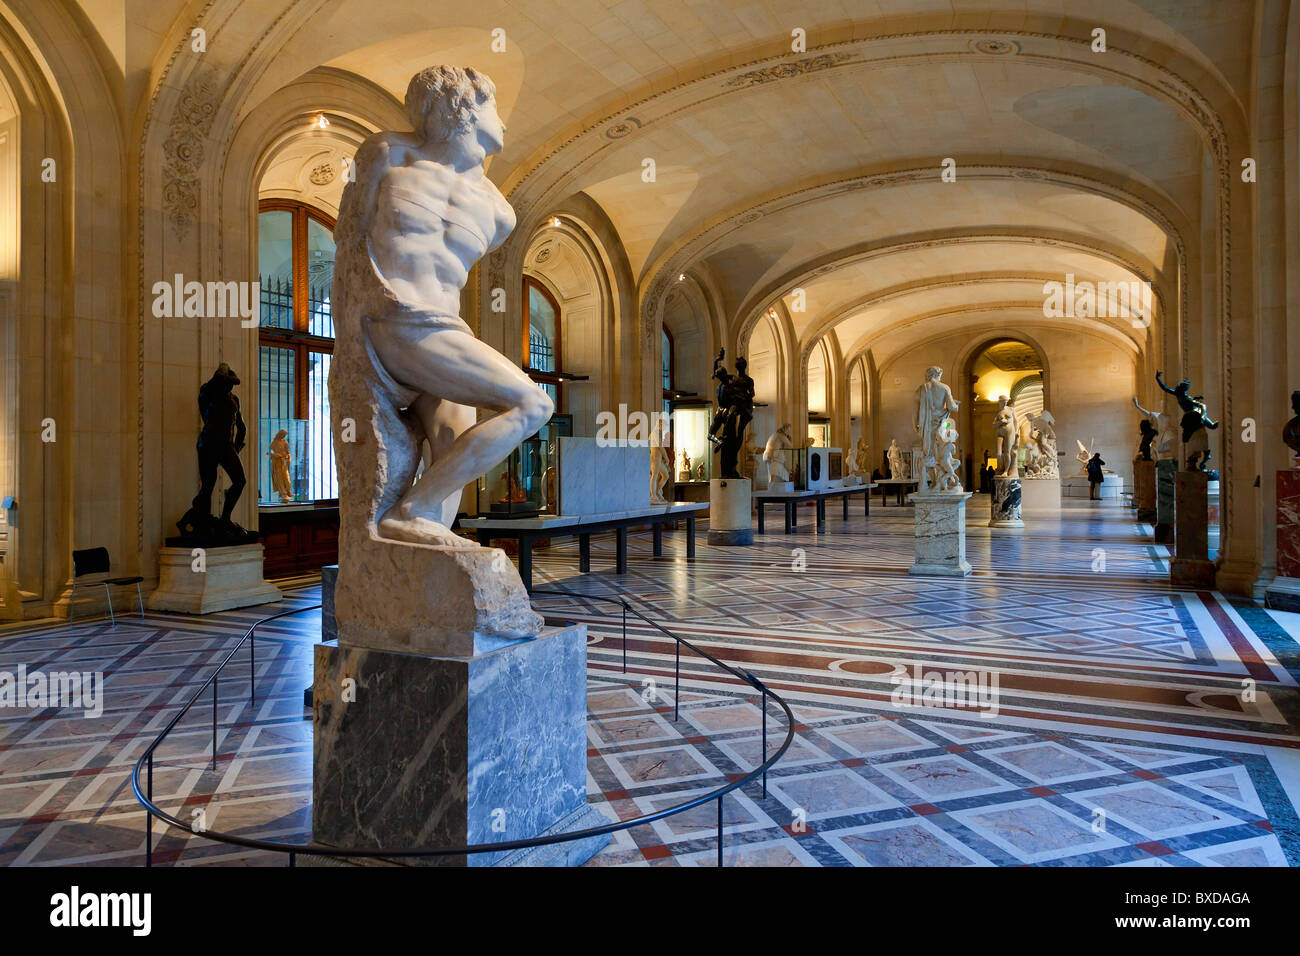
column 1130, row 724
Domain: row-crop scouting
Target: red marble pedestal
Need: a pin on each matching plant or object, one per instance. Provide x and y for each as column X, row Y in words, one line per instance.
column 1191, row 566
column 1283, row 592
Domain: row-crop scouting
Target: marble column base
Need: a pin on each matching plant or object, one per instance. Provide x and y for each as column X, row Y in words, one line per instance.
column 1144, row 479
column 1191, row 566
column 1005, row 504
column 232, row 577
column 1283, row 594
column 940, row 533
column 446, row 751
column 730, row 506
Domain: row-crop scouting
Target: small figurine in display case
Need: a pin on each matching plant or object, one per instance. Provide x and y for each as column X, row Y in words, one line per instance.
column 279, row 455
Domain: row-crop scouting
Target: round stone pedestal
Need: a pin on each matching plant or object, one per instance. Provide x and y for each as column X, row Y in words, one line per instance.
column 729, row 512
column 1005, row 510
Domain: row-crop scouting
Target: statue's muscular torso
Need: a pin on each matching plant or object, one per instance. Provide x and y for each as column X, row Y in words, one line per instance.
column 430, row 224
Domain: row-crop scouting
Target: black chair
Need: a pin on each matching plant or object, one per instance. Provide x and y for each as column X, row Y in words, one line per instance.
column 95, row 561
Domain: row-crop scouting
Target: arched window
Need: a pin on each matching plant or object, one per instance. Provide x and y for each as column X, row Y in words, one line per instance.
column 542, row 355
column 295, row 256
column 667, row 361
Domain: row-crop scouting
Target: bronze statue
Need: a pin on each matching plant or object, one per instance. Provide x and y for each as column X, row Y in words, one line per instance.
column 1149, row 434
column 220, row 441
column 733, row 414
column 1195, row 421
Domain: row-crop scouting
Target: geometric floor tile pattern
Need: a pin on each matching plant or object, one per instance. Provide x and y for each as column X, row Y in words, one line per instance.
column 1131, row 724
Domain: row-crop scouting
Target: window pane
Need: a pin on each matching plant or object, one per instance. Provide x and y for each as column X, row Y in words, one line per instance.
column 321, row 481
column 276, row 391
column 667, row 362
column 541, row 321
column 320, row 276
column 275, row 267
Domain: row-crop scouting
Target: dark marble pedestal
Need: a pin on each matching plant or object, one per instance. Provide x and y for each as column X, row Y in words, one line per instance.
column 1144, row 497
column 1004, row 510
column 421, row 751
column 1165, row 515
column 1191, row 566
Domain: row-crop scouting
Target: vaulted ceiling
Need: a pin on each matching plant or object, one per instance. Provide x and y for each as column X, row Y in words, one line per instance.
column 820, row 169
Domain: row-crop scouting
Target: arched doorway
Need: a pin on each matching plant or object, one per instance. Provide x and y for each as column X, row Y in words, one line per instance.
column 1001, row 366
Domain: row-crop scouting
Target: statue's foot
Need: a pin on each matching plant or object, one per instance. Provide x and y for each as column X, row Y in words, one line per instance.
column 422, row 531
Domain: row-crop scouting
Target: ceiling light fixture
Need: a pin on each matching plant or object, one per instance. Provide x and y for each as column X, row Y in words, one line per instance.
column 555, row 222
column 322, row 122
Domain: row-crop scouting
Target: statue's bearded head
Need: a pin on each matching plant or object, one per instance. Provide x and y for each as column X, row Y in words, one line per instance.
column 443, row 101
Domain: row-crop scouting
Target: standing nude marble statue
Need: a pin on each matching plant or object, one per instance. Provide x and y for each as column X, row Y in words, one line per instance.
column 1007, row 429
column 935, row 407
column 408, row 370
column 419, row 216
column 894, row 455
column 777, row 443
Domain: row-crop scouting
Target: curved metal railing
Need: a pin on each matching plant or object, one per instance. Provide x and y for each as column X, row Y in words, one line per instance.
column 144, row 793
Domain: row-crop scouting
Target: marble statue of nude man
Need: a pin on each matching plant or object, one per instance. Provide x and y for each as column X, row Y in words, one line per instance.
column 419, row 215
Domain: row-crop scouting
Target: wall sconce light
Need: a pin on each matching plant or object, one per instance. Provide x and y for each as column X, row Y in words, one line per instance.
column 681, row 277
column 555, row 222
column 322, row 122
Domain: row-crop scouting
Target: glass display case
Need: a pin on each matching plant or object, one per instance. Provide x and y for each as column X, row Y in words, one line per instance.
column 283, row 467
column 526, row 484
column 693, row 459
column 819, row 434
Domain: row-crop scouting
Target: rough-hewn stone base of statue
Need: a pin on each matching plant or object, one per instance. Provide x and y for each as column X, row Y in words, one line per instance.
column 422, row 599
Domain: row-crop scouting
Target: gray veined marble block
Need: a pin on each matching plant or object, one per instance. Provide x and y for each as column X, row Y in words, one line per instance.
column 447, row 751
column 940, row 534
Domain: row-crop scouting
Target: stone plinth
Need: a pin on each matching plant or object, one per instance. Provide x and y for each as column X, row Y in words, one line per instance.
column 426, row 599
column 1191, row 566
column 1144, row 497
column 1166, row 470
column 1283, row 593
column 1005, row 506
column 428, row 751
column 940, row 533
column 1040, row 494
column 214, row 579
column 730, row 504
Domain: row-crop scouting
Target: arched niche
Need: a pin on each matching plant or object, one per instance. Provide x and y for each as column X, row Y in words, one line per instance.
column 1008, row 365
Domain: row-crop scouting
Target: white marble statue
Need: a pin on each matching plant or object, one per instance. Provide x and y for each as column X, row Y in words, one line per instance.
column 1006, row 428
column 661, row 467
column 935, row 407
column 407, row 371
column 862, row 461
column 419, row 216
column 1042, row 461
column 751, row 463
column 1162, row 447
column 897, row 470
column 778, row 443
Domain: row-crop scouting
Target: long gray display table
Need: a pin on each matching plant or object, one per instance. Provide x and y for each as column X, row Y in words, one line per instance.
column 527, row 530
column 792, row 500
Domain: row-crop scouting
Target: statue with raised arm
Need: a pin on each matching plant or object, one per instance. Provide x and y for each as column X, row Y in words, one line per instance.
column 408, row 370
column 935, row 408
column 1162, row 446
column 221, row 439
column 1195, row 423
column 419, row 216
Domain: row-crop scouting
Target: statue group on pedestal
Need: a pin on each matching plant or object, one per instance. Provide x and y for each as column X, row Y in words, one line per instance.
column 935, row 408
column 734, row 411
